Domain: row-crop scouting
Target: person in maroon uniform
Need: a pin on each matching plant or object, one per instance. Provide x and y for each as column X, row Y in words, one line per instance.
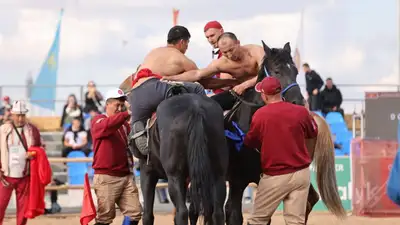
column 279, row 130
column 16, row 137
column 212, row 31
column 113, row 179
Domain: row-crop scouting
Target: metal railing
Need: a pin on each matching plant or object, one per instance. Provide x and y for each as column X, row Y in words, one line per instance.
column 353, row 95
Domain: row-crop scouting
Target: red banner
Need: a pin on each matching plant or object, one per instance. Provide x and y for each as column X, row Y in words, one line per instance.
column 175, row 14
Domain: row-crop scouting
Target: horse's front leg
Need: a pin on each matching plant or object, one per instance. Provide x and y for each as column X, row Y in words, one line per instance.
column 148, row 182
column 177, row 192
column 233, row 207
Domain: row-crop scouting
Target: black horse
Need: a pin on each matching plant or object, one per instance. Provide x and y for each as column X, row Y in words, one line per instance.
column 186, row 141
column 244, row 164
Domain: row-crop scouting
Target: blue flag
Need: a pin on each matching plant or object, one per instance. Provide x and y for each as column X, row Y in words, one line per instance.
column 43, row 92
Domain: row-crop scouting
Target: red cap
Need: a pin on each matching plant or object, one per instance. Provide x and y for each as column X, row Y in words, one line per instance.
column 212, row 24
column 269, row 86
column 6, row 98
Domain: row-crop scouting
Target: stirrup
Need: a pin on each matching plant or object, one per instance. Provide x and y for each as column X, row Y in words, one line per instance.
column 140, row 139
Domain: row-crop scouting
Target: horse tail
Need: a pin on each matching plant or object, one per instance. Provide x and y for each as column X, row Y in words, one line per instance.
column 324, row 157
column 199, row 163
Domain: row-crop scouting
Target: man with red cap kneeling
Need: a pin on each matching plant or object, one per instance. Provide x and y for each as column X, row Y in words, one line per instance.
column 279, row 130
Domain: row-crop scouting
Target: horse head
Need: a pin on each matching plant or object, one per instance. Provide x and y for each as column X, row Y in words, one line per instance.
column 278, row 62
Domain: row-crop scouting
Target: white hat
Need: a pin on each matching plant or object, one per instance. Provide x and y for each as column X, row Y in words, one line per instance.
column 19, row 107
column 115, row 93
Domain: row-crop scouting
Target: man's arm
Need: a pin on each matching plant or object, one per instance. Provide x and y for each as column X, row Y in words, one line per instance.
column 340, row 98
column 309, row 125
column 215, row 83
column 196, row 74
column 252, row 138
column 104, row 127
column 319, row 80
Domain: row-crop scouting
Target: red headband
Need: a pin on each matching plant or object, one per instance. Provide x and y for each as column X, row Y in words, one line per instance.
column 212, row 24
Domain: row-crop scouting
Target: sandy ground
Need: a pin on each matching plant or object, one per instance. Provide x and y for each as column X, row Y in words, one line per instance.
column 166, row 219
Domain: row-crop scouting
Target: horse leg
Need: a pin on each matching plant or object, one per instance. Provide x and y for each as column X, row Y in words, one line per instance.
column 220, row 195
column 177, row 192
column 193, row 214
column 233, row 207
column 313, row 198
column 148, row 183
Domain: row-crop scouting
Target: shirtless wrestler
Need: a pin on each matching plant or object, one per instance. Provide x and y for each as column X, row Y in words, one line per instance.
column 212, row 31
column 241, row 62
column 147, row 89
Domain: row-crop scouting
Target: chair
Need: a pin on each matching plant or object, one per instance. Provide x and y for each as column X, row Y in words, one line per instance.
column 338, row 128
column 334, row 117
column 76, row 170
column 344, row 138
column 89, row 166
column 319, row 113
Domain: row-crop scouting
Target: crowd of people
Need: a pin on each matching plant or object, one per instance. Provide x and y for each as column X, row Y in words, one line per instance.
column 102, row 125
column 328, row 99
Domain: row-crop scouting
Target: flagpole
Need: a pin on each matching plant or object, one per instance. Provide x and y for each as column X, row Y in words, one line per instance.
column 302, row 47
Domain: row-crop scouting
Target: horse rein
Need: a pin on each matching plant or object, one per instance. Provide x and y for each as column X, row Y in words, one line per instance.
column 251, row 104
column 287, row 88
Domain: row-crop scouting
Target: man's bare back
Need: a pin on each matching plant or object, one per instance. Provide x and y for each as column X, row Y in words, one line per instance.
column 241, row 62
column 167, row 61
column 163, row 61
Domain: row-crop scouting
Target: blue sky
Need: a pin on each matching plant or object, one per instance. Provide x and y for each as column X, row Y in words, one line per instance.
column 352, row 41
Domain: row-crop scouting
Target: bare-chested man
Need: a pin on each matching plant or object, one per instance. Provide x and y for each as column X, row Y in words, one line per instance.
column 241, row 62
column 212, row 31
column 147, row 89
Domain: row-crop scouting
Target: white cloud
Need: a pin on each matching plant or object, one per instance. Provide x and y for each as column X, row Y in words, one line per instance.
column 36, row 30
column 350, row 58
column 386, row 83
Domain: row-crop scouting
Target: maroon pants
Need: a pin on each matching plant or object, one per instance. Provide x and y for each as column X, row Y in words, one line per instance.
column 21, row 187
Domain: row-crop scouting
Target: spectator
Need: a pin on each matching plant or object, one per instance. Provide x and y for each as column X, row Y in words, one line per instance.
column 75, row 139
column 93, row 98
column 92, row 114
column 55, row 207
column 331, row 98
column 5, row 105
column 71, row 110
column 6, row 117
column 313, row 85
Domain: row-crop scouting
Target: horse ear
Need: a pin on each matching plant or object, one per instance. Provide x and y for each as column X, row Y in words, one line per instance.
column 287, row 47
column 267, row 50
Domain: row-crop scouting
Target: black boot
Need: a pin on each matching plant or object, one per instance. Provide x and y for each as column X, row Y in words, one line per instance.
column 134, row 223
column 140, row 137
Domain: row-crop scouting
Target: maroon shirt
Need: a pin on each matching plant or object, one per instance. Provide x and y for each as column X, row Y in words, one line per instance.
column 110, row 145
column 279, row 131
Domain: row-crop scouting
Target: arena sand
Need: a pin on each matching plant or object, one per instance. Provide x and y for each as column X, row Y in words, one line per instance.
column 166, row 219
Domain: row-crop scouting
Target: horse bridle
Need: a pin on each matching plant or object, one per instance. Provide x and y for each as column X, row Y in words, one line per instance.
column 287, row 88
column 251, row 104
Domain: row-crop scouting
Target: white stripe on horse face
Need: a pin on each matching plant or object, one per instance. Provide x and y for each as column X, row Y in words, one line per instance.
column 289, row 66
column 266, row 72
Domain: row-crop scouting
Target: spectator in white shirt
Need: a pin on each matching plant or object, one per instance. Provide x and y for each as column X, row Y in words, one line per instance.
column 75, row 138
